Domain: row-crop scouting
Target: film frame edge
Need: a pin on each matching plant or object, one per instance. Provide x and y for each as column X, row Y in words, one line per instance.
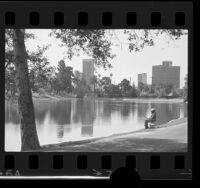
column 143, row 21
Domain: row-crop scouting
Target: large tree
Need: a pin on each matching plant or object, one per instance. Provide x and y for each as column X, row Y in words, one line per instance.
column 29, row 138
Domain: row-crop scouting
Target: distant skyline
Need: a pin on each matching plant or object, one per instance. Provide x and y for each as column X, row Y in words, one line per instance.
column 126, row 64
column 142, row 78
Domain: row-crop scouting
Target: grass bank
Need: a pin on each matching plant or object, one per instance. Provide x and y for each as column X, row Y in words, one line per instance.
column 169, row 137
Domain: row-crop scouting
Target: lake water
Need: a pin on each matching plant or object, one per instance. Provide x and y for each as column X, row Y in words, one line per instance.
column 78, row 119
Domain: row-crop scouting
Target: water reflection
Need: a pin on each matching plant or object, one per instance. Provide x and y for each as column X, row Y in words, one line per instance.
column 142, row 111
column 107, row 109
column 11, row 114
column 84, row 111
column 125, row 110
column 87, row 131
column 60, row 112
column 76, row 119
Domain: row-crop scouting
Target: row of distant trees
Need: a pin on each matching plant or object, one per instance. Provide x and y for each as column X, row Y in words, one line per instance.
column 62, row 80
column 125, row 89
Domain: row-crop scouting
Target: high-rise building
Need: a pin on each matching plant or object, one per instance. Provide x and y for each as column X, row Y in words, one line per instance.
column 142, row 78
column 88, row 71
column 166, row 74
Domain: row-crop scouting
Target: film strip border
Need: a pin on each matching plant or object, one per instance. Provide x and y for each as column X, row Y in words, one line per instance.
column 133, row 15
column 74, row 164
column 82, row 19
column 98, row 14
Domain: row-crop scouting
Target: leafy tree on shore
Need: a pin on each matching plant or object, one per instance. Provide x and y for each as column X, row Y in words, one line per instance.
column 125, row 86
column 106, row 85
column 39, row 68
column 64, row 76
column 116, row 91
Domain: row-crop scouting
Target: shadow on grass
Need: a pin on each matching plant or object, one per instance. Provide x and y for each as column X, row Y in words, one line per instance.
column 123, row 145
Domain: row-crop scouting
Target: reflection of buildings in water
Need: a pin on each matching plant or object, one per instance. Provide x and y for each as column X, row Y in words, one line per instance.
column 88, row 114
column 88, row 118
column 115, row 106
column 170, row 110
column 60, row 112
column 170, row 107
column 142, row 111
column 175, row 111
column 78, row 110
column 166, row 112
column 161, row 116
column 125, row 110
column 85, row 112
column 87, row 130
column 40, row 117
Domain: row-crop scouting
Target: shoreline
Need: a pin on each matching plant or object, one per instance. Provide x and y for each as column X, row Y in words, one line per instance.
column 139, row 100
column 36, row 96
column 150, row 100
column 139, row 136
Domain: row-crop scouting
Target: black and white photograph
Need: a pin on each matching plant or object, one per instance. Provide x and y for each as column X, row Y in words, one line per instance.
column 96, row 90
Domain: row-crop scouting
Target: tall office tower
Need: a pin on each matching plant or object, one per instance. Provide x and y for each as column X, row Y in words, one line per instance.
column 88, row 71
column 142, row 78
column 166, row 74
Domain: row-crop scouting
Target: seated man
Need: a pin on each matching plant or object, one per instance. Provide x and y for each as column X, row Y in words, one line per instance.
column 152, row 119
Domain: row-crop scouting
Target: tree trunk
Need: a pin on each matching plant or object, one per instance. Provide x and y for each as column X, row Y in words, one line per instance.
column 29, row 138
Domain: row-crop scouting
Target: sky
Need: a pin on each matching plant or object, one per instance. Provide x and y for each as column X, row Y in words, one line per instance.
column 126, row 64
